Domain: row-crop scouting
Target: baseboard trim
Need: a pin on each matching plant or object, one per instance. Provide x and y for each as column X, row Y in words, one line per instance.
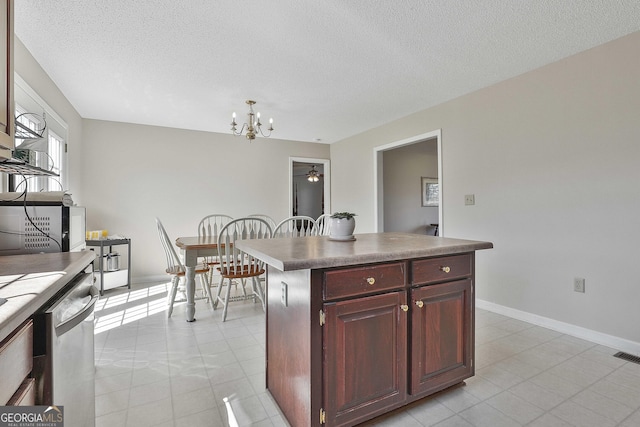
column 565, row 328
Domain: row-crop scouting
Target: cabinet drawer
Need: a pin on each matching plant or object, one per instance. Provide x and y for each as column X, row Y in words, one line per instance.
column 364, row 280
column 432, row 270
column 16, row 360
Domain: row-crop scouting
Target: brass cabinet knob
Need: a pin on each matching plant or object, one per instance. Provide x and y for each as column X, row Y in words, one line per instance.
column 371, row 280
column 445, row 269
column 419, row 303
column 404, row 307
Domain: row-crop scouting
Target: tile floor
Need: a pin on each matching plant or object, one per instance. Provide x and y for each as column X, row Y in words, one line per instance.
column 154, row 371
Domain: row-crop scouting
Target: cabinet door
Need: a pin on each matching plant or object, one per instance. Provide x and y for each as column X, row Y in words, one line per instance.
column 6, row 75
column 365, row 355
column 441, row 336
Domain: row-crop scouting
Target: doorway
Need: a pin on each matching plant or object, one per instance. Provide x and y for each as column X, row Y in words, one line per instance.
column 309, row 197
column 379, row 181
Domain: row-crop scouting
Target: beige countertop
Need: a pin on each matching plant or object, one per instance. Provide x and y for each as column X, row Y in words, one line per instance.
column 29, row 281
column 321, row 252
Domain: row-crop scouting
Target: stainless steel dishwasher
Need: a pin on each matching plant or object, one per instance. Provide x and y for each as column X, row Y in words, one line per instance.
column 63, row 349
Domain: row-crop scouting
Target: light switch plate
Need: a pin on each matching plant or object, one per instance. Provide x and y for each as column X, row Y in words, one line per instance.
column 469, row 199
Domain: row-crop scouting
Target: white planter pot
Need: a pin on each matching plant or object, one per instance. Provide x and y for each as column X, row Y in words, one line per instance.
column 342, row 228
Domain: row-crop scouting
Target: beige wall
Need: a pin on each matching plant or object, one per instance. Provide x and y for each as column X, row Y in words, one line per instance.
column 136, row 172
column 552, row 157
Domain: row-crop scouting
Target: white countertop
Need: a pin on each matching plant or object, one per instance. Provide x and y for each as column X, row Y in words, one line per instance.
column 28, row 282
column 320, row 252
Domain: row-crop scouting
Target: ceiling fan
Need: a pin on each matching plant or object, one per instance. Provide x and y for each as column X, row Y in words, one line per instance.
column 314, row 175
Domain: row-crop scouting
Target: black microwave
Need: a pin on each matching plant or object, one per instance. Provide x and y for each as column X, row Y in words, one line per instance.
column 34, row 228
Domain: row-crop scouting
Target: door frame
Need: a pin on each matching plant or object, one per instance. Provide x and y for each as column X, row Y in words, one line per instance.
column 378, row 178
column 326, row 166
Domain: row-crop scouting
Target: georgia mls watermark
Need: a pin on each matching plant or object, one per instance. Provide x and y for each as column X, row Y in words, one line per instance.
column 31, row 416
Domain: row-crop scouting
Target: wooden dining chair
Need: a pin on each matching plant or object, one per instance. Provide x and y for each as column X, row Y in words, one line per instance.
column 238, row 265
column 323, row 224
column 296, row 226
column 177, row 270
column 210, row 226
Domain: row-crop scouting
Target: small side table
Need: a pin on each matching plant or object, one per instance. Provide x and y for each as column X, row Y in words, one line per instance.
column 110, row 243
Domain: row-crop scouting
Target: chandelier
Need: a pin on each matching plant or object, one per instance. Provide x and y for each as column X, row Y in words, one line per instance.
column 313, row 175
column 253, row 127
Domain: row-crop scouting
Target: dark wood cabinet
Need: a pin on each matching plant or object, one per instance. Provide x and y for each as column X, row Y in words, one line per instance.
column 441, row 336
column 6, row 77
column 347, row 344
column 365, row 351
column 411, row 338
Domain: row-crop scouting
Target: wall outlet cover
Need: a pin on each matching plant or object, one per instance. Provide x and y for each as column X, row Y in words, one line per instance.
column 469, row 199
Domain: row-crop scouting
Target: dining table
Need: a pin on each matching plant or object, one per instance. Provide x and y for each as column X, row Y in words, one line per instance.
column 194, row 247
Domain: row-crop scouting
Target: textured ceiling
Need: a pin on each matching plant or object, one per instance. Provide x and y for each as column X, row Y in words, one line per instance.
column 324, row 70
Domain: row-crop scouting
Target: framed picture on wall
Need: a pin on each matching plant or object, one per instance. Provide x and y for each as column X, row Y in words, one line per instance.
column 430, row 191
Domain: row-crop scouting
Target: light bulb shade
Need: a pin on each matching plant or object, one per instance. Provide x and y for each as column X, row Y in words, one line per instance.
column 313, row 175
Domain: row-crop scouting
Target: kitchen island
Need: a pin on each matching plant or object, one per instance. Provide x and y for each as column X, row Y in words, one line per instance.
column 358, row 328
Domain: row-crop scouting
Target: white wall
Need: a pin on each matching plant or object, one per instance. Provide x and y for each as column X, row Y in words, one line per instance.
column 31, row 72
column 403, row 168
column 138, row 172
column 552, row 157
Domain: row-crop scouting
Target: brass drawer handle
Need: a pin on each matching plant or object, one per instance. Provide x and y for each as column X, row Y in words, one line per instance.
column 419, row 303
column 371, row 280
column 404, row 307
column 445, row 269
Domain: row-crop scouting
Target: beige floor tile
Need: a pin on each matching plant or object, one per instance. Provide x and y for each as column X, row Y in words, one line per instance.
column 537, row 395
column 161, row 371
column 580, row 416
column 484, row 415
column 515, row 407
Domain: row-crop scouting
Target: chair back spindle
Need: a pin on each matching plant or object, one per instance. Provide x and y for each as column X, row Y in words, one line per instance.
column 171, row 256
column 211, row 225
column 267, row 218
column 323, row 223
column 296, row 226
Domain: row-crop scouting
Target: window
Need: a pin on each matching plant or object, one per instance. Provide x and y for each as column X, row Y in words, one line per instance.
column 47, row 153
column 55, row 155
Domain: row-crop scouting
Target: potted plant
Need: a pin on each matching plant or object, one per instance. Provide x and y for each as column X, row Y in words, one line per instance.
column 342, row 226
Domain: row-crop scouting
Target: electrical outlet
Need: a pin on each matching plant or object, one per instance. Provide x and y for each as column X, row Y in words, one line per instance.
column 284, row 297
column 470, row 199
column 578, row 284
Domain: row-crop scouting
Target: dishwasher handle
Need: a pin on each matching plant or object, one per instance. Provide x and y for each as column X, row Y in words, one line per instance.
column 80, row 316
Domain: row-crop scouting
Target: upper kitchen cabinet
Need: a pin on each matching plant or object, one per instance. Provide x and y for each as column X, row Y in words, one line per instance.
column 6, row 75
